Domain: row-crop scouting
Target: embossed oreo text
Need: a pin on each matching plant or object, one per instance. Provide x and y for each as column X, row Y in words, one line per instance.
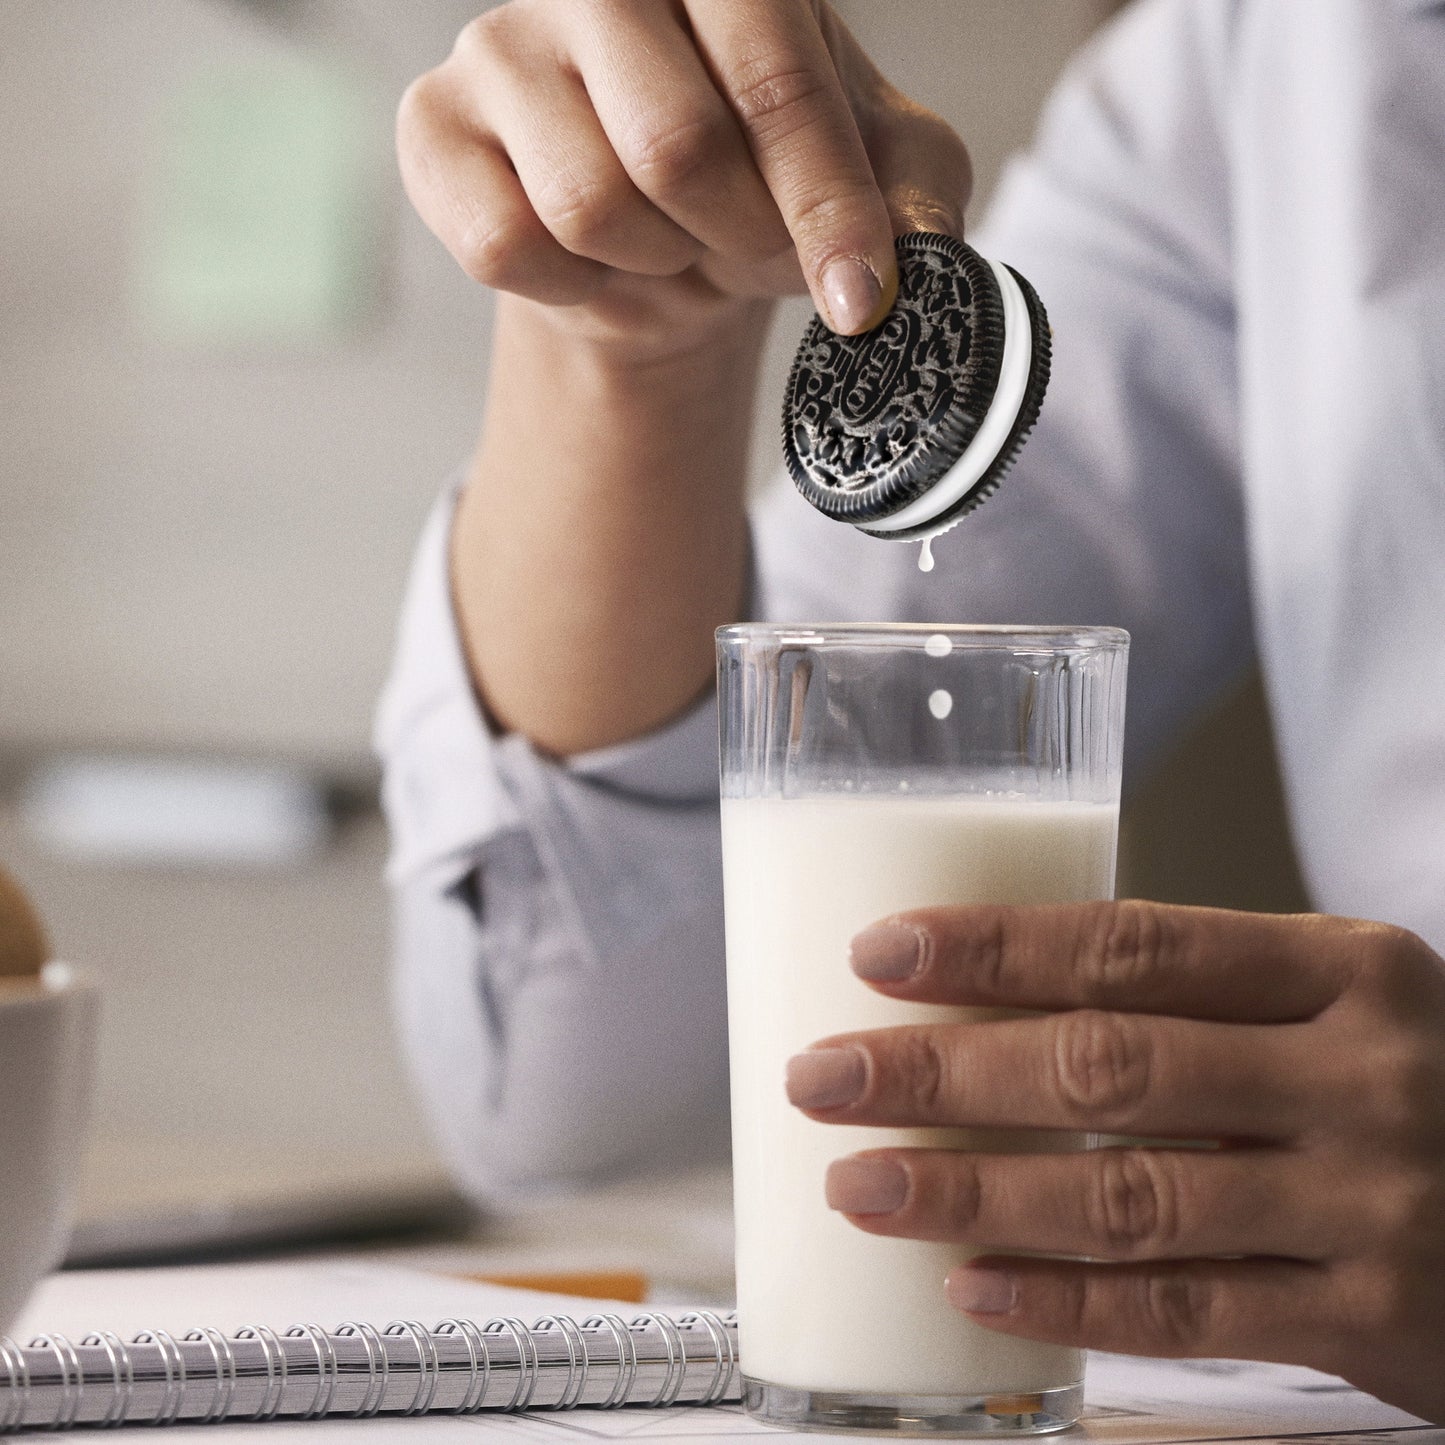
column 860, row 405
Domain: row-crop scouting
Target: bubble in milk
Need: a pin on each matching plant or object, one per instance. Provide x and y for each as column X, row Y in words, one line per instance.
column 938, row 645
column 940, row 703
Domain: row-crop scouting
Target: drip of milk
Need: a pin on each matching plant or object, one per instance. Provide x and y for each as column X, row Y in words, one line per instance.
column 823, row 1305
column 925, row 555
column 940, row 700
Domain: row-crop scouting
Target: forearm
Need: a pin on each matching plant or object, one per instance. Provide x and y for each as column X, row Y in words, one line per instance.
column 602, row 534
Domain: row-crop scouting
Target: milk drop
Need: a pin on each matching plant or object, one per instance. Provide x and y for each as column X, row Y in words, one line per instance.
column 938, row 645
column 925, row 555
column 940, row 703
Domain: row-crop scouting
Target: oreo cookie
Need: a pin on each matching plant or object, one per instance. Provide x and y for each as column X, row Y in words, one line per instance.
column 906, row 429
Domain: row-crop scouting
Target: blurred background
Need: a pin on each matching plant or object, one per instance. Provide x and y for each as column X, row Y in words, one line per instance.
column 234, row 371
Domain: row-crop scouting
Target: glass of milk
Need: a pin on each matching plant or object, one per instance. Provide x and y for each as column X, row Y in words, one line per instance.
column 865, row 770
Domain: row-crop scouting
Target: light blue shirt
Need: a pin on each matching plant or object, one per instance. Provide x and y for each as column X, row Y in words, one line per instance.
column 1235, row 213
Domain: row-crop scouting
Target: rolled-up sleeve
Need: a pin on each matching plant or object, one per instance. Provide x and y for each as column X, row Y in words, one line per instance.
column 558, row 926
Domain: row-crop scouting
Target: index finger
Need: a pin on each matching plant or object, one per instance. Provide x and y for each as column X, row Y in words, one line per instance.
column 1129, row 956
column 772, row 64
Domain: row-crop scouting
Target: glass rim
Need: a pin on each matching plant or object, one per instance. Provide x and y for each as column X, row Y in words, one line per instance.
column 980, row 636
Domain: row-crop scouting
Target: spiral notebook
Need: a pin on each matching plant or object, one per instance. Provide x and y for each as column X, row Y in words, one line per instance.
column 458, row 1367
column 500, row 1350
column 544, row 1368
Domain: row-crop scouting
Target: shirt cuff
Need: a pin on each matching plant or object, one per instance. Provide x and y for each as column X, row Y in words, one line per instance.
column 676, row 763
column 442, row 790
column 446, row 789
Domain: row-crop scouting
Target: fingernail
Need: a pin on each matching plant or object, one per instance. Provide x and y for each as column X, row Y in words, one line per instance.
column 852, row 293
column 982, row 1290
column 887, row 952
column 825, row 1078
column 865, row 1186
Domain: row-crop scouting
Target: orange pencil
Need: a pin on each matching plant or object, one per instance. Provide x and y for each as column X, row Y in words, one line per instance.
column 620, row 1284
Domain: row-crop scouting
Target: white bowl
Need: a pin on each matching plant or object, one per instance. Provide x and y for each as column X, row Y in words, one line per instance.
column 48, row 1028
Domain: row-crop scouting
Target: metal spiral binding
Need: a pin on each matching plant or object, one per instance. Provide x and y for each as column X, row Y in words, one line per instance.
column 326, row 1372
column 727, row 1355
column 476, row 1343
column 123, row 1384
column 527, row 1362
column 670, row 1388
column 18, row 1371
column 310, row 1373
column 566, row 1326
column 175, row 1367
column 626, row 1356
column 225, row 1361
column 428, row 1368
column 375, row 1351
column 275, row 1370
column 72, row 1377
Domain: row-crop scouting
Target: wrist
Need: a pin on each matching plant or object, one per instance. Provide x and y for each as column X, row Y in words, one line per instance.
column 641, row 341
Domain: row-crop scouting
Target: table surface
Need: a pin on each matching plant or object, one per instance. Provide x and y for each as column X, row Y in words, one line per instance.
column 677, row 1230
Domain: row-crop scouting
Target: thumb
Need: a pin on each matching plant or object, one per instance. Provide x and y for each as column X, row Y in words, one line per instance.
column 924, row 172
column 920, row 164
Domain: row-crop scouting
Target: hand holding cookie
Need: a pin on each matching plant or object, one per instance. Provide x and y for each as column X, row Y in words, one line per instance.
column 652, row 161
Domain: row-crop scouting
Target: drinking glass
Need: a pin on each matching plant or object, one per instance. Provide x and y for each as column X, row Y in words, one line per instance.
column 867, row 770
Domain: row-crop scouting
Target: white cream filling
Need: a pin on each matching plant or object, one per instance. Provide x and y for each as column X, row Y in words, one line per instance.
column 990, row 439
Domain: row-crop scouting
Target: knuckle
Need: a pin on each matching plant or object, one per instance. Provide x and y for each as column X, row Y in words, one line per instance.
column 419, row 103
column 775, row 98
column 1409, row 1082
column 1129, row 945
column 936, row 216
column 983, row 954
column 492, row 253
column 1132, row 1205
column 822, row 210
column 674, row 156
column 939, row 140
column 1177, row 1309
column 603, row 17
column 1411, row 1209
column 1073, row 1305
column 581, row 214
column 1101, row 1066
column 1398, row 982
column 924, row 1077
column 485, row 34
column 957, row 1195
column 1393, row 963
column 1384, row 1300
column 950, row 148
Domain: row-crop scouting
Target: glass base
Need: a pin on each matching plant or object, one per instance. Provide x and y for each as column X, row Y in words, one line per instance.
column 1038, row 1413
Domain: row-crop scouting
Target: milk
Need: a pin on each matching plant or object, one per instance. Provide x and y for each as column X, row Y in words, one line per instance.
column 822, row 1305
